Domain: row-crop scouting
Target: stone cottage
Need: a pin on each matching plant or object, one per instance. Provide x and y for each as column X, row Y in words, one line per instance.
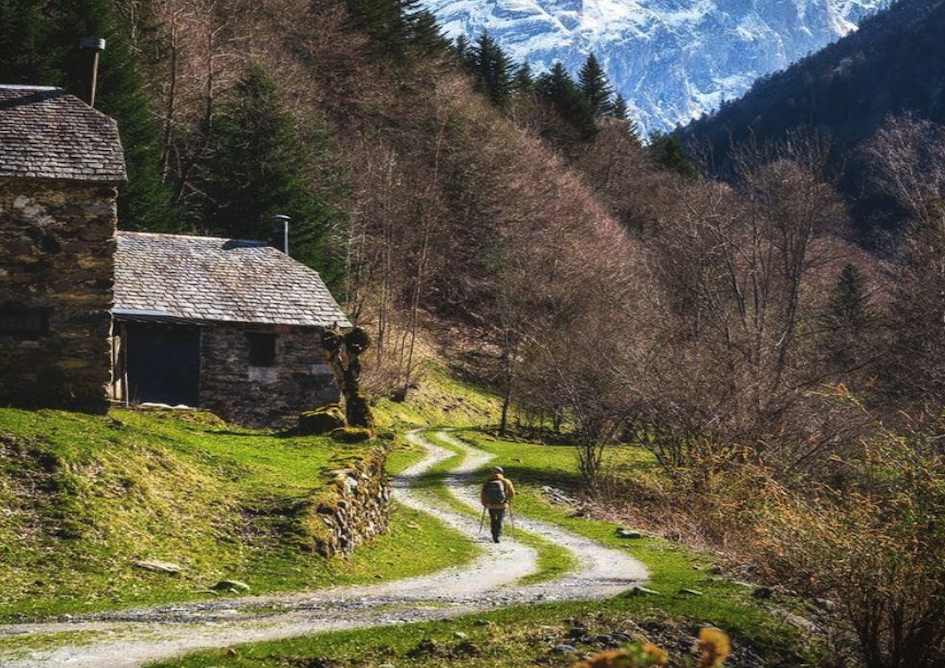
column 60, row 165
column 229, row 325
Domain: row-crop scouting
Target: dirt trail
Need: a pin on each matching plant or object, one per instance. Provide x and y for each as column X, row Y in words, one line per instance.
column 133, row 637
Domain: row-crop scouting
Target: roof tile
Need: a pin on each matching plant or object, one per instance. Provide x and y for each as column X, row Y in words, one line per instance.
column 213, row 279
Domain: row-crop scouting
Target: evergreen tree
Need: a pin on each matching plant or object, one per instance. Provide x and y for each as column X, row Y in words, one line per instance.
column 260, row 166
column 425, row 38
column 492, row 69
column 461, row 47
column 570, row 102
column 849, row 308
column 385, row 23
column 593, row 83
column 666, row 151
column 25, row 56
column 523, row 82
column 619, row 108
column 40, row 45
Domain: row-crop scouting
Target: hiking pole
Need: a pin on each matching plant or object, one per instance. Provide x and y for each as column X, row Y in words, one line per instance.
column 511, row 516
column 482, row 519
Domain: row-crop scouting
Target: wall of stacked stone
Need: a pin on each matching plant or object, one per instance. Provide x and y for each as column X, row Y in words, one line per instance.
column 57, row 242
column 264, row 396
column 358, row 507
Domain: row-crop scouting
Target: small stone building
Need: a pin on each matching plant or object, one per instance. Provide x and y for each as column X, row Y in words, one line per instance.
column 60, row 164
column 228, row 325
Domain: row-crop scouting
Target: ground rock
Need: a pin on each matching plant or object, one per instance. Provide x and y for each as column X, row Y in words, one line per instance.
column 158, row 566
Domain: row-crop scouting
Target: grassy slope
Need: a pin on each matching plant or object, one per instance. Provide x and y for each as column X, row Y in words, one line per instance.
column 524, row 636
column 82, row 497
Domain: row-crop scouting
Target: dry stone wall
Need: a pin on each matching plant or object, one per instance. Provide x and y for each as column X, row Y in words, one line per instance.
column 57, row 243
column 358, row 506
column 269, row 396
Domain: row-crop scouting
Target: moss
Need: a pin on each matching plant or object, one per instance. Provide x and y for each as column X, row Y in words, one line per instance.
column 352, row 434
column 321, row 420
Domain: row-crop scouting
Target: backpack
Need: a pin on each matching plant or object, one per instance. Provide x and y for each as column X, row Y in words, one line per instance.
column 494, row 492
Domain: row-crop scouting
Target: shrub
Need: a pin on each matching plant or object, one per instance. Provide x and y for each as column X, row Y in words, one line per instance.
column 877, row 549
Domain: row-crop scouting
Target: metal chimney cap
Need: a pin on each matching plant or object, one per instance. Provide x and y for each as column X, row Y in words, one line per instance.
column 92, row 43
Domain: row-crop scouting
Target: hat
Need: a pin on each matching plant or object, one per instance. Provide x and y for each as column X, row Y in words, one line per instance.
column 496, row 469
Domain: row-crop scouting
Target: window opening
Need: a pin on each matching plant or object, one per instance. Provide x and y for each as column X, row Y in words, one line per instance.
column 262, row 349
column 24, row 322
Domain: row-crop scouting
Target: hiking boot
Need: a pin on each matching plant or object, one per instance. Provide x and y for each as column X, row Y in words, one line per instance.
column 495, row 539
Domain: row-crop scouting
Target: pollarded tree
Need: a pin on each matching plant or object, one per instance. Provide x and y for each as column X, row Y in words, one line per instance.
column 260, row 166
column 596, row 88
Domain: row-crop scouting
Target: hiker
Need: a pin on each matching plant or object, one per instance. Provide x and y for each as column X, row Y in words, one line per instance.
column 496, row 495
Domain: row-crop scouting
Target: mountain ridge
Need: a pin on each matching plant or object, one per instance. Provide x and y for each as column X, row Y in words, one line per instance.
column 673, row 60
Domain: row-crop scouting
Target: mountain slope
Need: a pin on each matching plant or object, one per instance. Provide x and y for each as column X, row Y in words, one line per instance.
column 672, row 59
column 894, row 64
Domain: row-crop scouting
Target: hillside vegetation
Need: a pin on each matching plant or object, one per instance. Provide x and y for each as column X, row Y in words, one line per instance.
column 85, row 497
column 788, row 383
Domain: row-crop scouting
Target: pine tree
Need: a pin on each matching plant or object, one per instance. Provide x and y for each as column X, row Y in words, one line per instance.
column 39, row 44
column 384, row 21
column 593, row 83
column 260, row 166
column 25, row 56
column 425, row 37
column 619, row 108
column 849, row 309
column 492, row 69
column 461, row 48
column 568, row 100
column 523, row 82
column 666, row 151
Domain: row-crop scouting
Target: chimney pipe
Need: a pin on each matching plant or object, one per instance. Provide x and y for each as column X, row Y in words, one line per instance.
column 96, row 45
column 282, row 221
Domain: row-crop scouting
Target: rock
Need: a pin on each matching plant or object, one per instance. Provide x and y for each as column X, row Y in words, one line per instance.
column 643, row 591
column 460, row 635
column 231, row 585
column 482, row 622
column 158, row 566
column 799, row 622
column 691, row 592
column 564, row 649
column 825, row 604
column 715, row 569
column 577, row 631
column 321, row 420
column 387, row 665
column 604, row 639
column 628, row 533
column 762, row 592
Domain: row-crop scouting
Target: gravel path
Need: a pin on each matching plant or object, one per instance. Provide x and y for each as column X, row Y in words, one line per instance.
column 133, row 637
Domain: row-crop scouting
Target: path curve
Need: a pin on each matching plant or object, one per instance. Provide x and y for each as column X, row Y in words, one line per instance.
column 128, row 638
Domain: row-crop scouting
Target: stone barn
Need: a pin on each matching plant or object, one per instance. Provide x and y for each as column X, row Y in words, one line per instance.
column 228, row 325
column 60, row 164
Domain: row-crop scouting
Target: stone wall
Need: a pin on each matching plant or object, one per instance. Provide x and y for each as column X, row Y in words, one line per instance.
column 264, row 396
column 57, row 243
column 358, row 506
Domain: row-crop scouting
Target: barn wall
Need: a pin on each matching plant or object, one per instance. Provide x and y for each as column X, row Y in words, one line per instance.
column 264, row 396
column 57, row 242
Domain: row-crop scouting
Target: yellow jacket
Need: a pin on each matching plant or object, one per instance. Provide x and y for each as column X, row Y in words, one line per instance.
column 509, row 492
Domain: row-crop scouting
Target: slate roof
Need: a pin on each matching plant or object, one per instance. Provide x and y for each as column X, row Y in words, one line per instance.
column 172, row 277
column 46, row 133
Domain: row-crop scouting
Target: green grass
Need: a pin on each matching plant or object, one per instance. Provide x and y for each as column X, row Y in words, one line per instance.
column 86, row 496
column 523, row 636
column 553, row 560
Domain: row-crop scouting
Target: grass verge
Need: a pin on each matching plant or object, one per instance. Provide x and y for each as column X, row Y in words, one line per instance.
column 85, row 497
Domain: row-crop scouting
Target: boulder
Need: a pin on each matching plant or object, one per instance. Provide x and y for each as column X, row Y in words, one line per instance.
column 321, row 420
column 158, row 566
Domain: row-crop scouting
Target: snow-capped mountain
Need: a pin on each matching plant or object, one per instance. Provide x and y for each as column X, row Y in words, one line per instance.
column 671, row 59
